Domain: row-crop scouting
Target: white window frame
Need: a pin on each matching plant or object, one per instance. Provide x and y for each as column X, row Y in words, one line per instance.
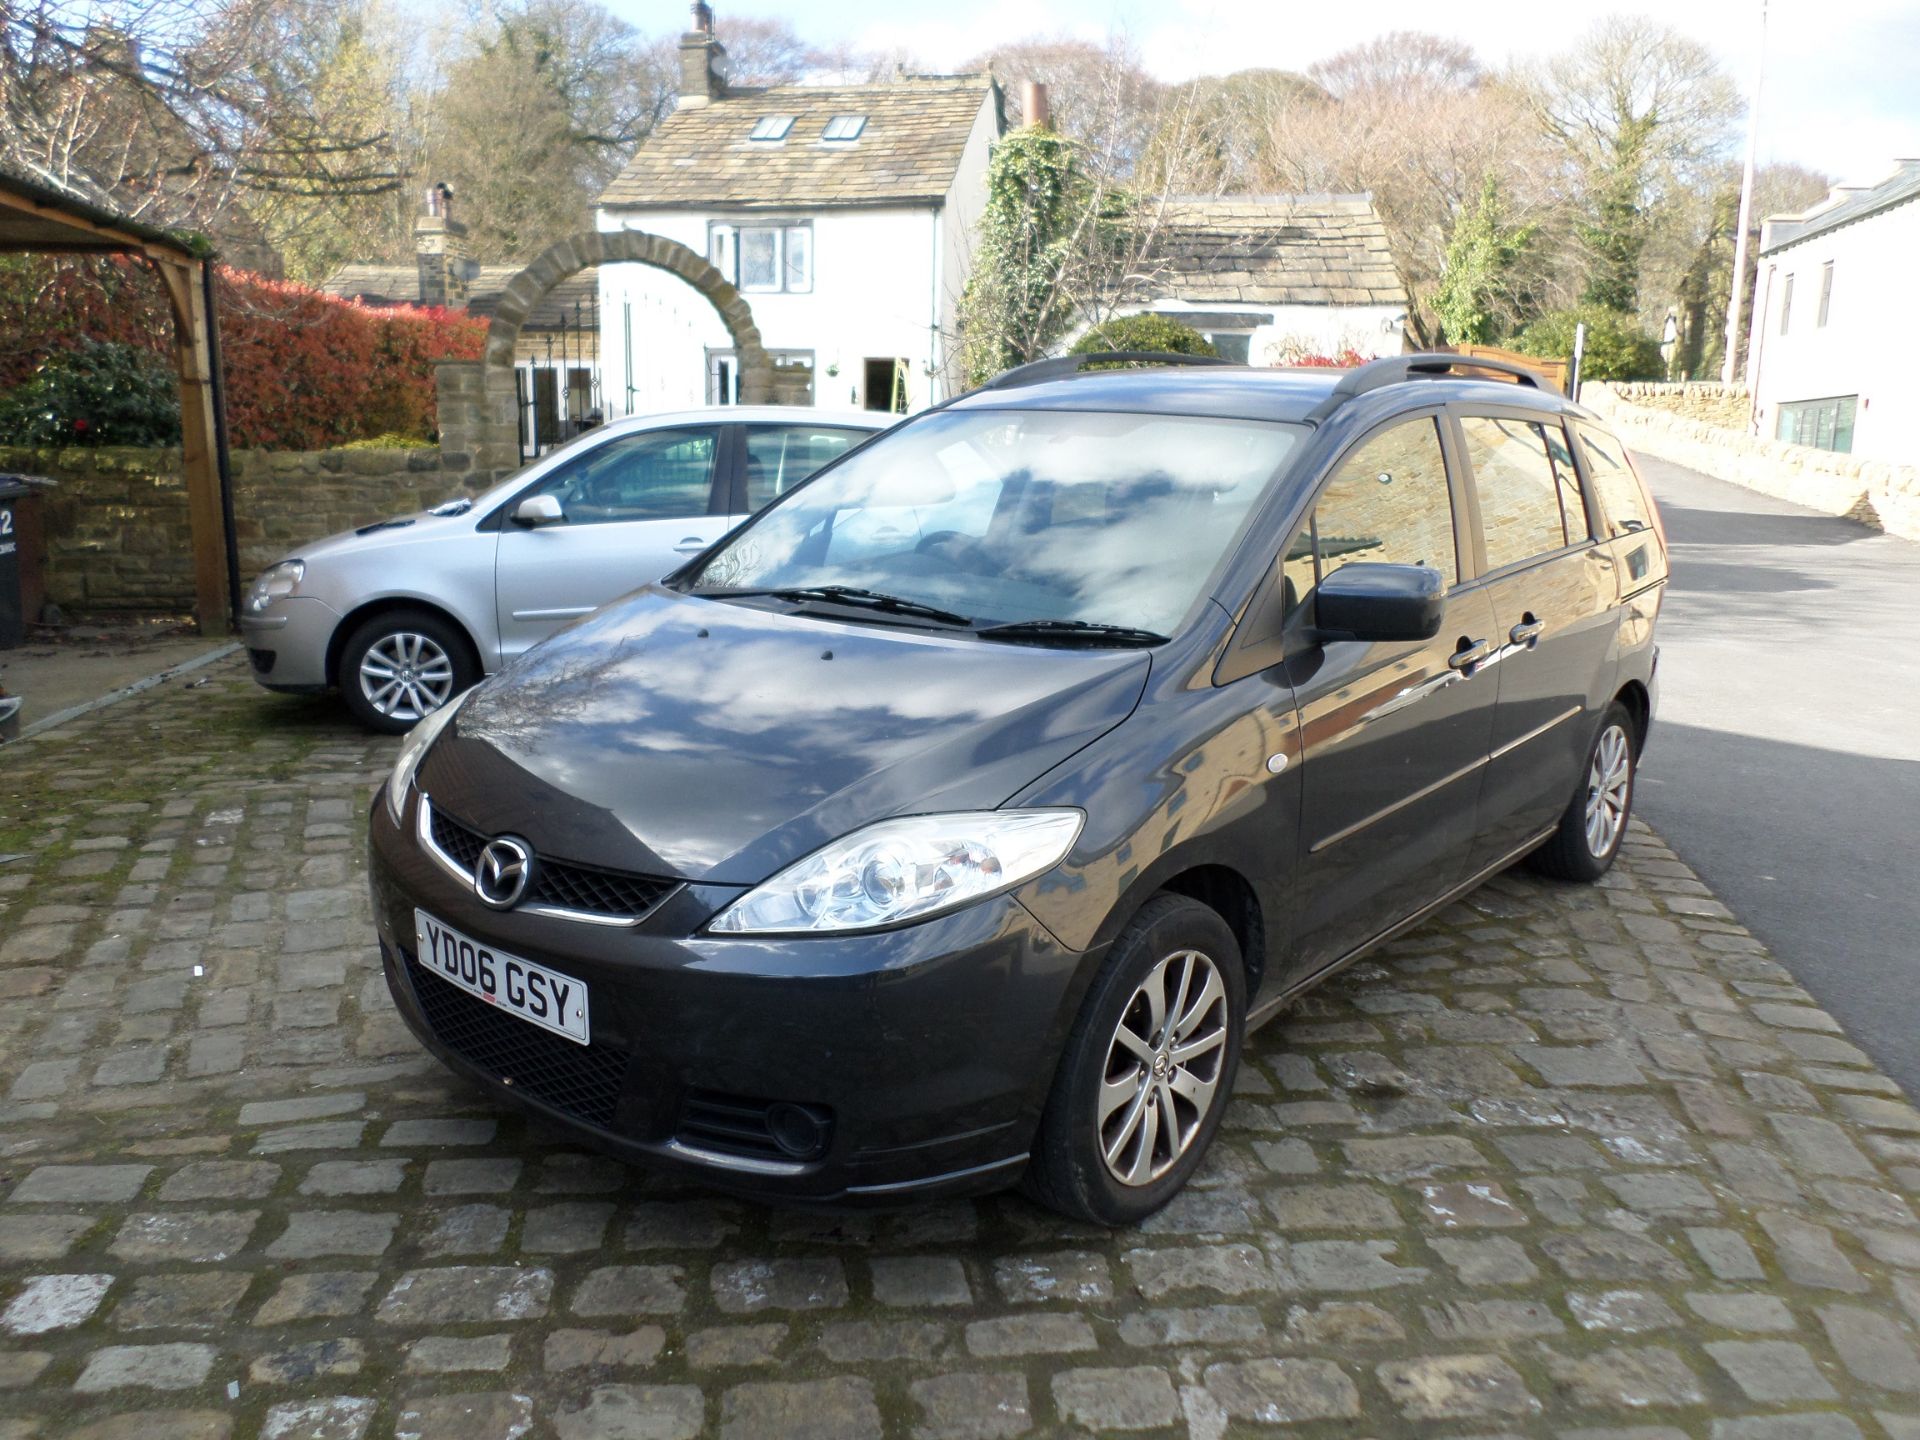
column 724, row 247
column 771, row 129
column 858, row 124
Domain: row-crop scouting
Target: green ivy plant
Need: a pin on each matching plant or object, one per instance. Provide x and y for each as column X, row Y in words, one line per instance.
column 1480, row 258
column 1011, row 311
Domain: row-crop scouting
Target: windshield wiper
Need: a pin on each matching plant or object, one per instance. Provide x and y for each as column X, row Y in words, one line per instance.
column 850, row 595
column 1071, row 630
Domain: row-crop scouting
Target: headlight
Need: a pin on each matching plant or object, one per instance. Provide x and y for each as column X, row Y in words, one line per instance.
column 413, row 750
column 274, row 582
column 906, row 869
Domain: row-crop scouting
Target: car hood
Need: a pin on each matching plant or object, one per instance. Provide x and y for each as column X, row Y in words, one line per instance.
column 421, row 527
column 717, row 742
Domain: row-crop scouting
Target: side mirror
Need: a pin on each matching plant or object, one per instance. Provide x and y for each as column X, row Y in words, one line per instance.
column 1368, row 601
column 538, row 510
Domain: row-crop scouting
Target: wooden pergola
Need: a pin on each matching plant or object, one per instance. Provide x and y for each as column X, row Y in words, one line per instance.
column 43, row 219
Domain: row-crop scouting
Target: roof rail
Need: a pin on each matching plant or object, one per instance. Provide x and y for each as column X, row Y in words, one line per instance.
column 1065, row 367
column 1394, row 369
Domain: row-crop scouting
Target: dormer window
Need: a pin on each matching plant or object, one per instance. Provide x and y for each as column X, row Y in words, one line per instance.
column 771, row 127
column 844, row 127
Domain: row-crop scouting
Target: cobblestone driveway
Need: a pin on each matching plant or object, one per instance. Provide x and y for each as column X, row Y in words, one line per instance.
column 1566, row 1162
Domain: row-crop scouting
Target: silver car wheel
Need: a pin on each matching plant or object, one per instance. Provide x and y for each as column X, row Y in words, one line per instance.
column 1163, row 1068
column 1609, row 789
column 406, row 675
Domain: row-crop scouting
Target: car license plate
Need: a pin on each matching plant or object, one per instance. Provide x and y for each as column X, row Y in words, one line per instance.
column 532, row 992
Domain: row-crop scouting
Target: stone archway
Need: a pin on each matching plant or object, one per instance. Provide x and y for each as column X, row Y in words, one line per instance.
column 479, row 407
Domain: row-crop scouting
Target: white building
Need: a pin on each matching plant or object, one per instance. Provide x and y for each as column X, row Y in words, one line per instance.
column 843, row 214
column 1831, row 361
column 1273, row 279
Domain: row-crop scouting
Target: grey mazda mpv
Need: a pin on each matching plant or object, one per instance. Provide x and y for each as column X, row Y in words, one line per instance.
column 949, row 824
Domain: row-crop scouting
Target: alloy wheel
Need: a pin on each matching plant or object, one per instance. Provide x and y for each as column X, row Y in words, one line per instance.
column 1163, row 1068
column 406, row 676
column 1609, row 786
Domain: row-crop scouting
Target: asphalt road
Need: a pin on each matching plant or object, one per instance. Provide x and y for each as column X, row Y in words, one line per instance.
column 1785, row 761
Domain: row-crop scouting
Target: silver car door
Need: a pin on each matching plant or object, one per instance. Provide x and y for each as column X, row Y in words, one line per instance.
column 630, row 510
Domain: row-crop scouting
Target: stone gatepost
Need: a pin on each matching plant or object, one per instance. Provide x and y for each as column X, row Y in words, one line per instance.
column 479, row 421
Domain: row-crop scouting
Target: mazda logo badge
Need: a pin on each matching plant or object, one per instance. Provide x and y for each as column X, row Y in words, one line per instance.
column 500, row 879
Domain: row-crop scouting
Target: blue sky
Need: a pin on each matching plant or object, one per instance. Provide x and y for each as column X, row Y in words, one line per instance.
column 1843, row 76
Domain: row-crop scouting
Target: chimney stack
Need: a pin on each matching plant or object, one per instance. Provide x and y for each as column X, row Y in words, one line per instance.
column 440, row 251
column 1033, row 104
column 701, row 80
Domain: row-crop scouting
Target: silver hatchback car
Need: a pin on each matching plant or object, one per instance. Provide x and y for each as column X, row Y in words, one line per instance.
column 404, row 614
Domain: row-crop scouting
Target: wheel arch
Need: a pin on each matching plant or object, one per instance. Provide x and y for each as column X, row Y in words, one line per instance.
column 1639, row 703
column 358, row 616
column 1231, row 896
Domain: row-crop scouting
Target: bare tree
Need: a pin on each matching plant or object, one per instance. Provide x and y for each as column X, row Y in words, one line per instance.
column 175, row 110
column 1640, row 114
column 1098, row 94
column 761, row 51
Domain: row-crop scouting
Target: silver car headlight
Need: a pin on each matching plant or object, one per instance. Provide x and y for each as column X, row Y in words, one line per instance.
column 907, row 869
column 413, row 749
column 274, row 582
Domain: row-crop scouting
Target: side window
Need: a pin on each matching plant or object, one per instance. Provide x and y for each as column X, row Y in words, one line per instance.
column 779, row 457
column 1623, row 506
column 1520, row 490
column 655, row 475
column 1387, row 503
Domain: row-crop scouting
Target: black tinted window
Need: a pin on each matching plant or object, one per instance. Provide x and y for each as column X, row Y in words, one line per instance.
column 1623, row 505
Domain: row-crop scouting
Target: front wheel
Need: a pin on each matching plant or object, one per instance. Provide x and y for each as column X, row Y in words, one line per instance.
column 399, row 667
column 1594, row 823
column 1147, row 1070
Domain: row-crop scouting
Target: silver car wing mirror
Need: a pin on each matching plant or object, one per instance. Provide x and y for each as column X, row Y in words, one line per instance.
column 537, row 510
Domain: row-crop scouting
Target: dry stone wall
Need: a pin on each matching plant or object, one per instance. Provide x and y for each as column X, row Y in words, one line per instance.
column 1874, row 492
column 116, row 528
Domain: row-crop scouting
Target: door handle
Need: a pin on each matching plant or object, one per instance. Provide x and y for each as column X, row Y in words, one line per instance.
column 691, row 545
column 1527, row 631
column 1470, row 654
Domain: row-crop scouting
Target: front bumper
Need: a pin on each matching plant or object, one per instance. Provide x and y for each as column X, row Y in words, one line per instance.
column 287, row 644
column 930, row 1048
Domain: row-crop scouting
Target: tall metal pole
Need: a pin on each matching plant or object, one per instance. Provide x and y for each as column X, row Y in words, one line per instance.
column 1737, row 291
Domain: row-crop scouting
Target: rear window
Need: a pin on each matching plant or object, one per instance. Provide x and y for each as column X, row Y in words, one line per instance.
column 1623, row 505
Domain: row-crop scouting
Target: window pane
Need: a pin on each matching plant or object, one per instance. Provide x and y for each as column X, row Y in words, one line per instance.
column 1388, row 503
column 845, row 127
column 800, row 258
column 759, row 259
column 771, row 127
column 1786, row 304
column 1573, row 510
column 1826, row 293
column 1623, row 507
column 779, row 457
column 1519, row 501
column 659, row 475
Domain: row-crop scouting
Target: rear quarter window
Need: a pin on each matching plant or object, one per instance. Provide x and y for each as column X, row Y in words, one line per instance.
column 1622, row 503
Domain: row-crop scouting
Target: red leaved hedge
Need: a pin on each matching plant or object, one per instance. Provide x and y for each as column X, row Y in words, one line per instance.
column 303, row 369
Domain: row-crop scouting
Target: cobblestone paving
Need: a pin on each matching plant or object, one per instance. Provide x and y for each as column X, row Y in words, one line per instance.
column 1568, row 1162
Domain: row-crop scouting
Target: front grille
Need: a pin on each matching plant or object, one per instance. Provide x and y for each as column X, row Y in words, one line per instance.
column 736, row 1125
column 584, row 1081
column 559, row 883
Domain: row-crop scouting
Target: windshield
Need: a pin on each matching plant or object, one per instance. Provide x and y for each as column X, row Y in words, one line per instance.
column 1015, row 515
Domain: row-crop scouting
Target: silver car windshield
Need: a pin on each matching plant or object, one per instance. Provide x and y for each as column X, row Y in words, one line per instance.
column 1005, row 516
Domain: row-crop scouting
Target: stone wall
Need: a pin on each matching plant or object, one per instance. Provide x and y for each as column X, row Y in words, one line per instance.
column 117, row 536
column 1726, row 406
column 1874, row 492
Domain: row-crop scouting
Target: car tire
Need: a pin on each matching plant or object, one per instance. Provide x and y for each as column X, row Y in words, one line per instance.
column 1594, row 824
column 1102, row 1153
column 401, row 665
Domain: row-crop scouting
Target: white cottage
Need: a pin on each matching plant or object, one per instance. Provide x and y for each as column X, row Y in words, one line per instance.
column 843, row 213
column 1831, row 362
